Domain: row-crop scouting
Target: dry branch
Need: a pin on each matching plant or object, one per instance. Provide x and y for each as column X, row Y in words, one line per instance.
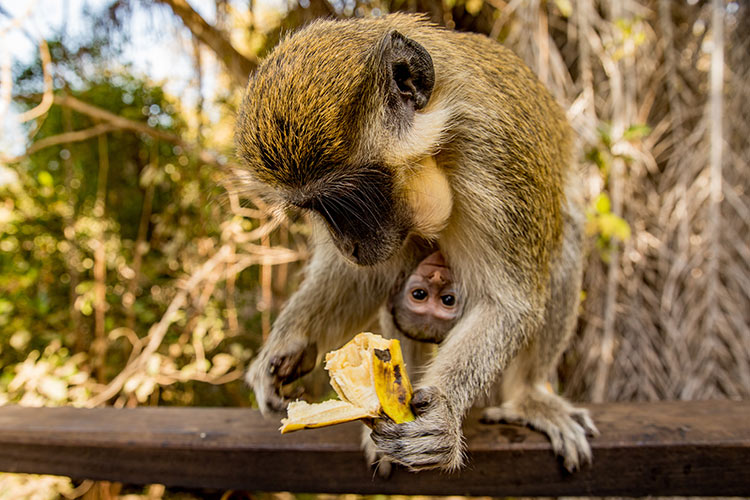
column 6, row 74
column 73, row 255
column 159, row 330
column 66, row 138
column 6, row 81
column 140, row 246
column 126, row 124
column 239, row 66
column 99, row 347
column 222, row 264
column 43, row 106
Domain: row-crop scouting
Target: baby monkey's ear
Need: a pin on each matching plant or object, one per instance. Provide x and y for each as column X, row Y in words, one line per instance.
column 409, row 73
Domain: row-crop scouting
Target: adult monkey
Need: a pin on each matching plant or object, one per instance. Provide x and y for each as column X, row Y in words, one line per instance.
column 398, row 135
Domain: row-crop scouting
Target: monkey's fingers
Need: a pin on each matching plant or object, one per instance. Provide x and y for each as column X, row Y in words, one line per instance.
column 423, row 399
column 289, row 367
column 272, row 398
column 374, row 458
column 418, row 445
column 276, row 404
column 581, row 415
column 369, row 422
column 565, row 426
column 268, row 396
column 266, row 387
column 432, row 441
column 269, row 375
column 282, row 395
column 292, row 393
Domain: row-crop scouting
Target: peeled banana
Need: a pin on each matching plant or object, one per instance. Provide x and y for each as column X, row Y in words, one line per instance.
column 369, row 376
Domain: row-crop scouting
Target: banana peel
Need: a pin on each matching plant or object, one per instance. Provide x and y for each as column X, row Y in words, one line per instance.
column 392, row 383
column 369, row 376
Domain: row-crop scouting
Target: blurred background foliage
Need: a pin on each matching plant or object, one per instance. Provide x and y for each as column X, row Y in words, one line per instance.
column 130, row 275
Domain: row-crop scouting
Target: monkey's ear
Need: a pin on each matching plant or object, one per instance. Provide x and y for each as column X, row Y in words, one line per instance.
column 409, row 70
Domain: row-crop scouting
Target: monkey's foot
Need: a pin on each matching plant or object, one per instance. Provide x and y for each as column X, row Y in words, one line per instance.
column 375, row 459
column 566, row 426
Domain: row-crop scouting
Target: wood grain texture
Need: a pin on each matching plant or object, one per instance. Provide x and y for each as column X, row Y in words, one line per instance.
column 668, row 448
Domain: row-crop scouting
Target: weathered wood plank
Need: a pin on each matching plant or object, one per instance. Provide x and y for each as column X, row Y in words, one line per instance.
column 670, row 448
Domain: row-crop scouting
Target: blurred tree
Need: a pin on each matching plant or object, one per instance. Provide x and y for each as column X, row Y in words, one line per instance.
column 96, row 229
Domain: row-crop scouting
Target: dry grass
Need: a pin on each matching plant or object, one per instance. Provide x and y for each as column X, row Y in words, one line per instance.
column 667, row 316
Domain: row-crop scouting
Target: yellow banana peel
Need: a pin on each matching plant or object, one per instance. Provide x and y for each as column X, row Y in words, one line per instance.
column 392, row 383
column 369, row 376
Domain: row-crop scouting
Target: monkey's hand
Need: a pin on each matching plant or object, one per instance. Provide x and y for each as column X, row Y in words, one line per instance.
column 274, row 367
column 434, row 440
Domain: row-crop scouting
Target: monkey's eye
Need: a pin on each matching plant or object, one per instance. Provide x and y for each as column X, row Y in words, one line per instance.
column 448, row 300
column 419, row 294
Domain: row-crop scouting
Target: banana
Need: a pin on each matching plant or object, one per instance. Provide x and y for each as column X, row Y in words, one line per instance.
column 369, row 377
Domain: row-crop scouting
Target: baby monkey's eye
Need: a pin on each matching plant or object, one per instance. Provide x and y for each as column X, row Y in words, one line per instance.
column 448, row 300
column 419, row 294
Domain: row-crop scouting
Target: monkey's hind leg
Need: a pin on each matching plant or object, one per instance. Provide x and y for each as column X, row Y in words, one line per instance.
column 526, row 398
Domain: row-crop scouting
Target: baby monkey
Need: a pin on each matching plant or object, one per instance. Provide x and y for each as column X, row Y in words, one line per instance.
column 426, row 305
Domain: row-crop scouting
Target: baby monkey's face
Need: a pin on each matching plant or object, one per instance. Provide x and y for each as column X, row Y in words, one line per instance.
column 427, row 306
column 431, row 291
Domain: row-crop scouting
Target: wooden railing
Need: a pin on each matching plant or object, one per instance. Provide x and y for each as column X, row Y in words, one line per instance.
column 671, row 448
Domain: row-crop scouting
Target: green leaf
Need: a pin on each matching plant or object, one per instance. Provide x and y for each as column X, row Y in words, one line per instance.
column 636, row 132
column 602, row 204
column 605, row 135
column 45, row 178
column 600, row 159
column 612, row 226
